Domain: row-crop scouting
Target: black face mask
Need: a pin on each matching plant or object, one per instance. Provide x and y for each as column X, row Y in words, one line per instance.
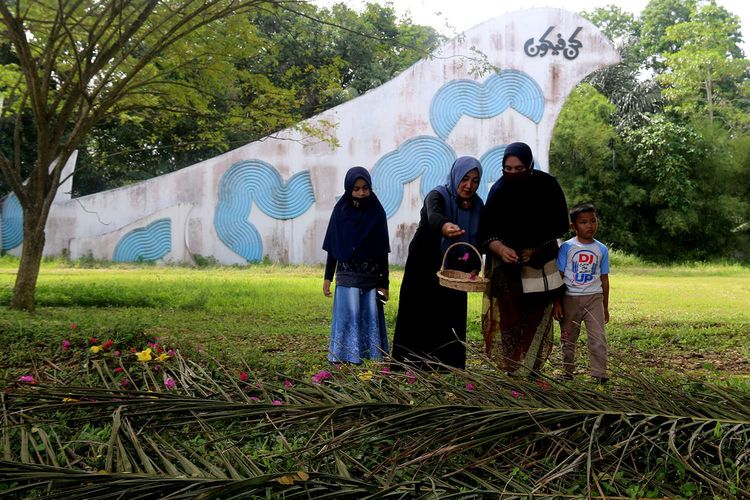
column 515, row 177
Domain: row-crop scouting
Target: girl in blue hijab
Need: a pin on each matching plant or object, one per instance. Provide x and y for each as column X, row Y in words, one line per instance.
column 357, row 246
column 431, row 323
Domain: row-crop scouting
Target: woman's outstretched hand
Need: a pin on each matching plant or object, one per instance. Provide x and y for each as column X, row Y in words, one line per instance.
column 451, row 230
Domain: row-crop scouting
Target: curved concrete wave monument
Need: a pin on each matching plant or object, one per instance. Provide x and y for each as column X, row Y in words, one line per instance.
column 502, row 81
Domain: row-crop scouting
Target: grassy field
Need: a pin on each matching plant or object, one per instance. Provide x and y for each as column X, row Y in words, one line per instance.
column 683, row 319
column 237, row 412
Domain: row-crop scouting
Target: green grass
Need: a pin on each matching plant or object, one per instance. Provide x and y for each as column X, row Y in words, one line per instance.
column 685, row 318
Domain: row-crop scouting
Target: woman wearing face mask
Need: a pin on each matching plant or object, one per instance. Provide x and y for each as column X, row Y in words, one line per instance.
column 525, row 214
column 431, row 324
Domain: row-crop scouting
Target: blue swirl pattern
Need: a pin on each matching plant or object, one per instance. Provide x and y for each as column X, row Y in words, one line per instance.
column 146, row 243
column 424, row 156
column 492, row 166
column 508, row 89
column 12, row 223
column 255, row 180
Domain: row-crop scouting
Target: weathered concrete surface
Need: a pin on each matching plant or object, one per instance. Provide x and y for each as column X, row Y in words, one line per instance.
column 370, row 130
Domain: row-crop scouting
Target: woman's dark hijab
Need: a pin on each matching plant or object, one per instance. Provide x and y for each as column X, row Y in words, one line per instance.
column 467, row 219
column 358, row 228
column 520, row 150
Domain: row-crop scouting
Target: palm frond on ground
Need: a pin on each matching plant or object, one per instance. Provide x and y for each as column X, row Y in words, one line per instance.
column 361, row 431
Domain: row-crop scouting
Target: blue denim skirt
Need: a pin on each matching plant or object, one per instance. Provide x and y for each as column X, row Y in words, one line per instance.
column 358, row 330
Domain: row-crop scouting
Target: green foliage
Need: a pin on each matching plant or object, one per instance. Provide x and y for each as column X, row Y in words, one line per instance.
column 706, row 71
column 267, row 71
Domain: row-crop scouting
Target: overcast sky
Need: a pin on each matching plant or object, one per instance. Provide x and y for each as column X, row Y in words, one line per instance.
column 462, row 15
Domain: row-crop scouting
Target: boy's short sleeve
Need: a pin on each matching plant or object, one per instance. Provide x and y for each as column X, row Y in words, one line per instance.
column 604, row 267
column 562, row 257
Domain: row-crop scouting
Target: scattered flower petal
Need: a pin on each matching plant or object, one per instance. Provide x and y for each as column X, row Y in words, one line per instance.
column 156, row 368
column 73, row 325
column 117, row 354
column 365, row 376
column 410, row 377
column 144, row 355
column 243, row 376
column 70, row 400
column 169, row 383
column 96, row 348
column 254, row 399
column 470, row 386
column 321, row 376
column 288, row 384
column 516, row 394
column 28, row 379
column 171, row 353
column 276, row 402
column 119, row 369
column 66, row 345
column 385, row 369
column 543, row 384
column 93, row 340
column 124, row 382
column 107, row 345
column 163, row 357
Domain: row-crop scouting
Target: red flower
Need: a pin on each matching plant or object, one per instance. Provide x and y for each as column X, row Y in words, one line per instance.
column 243, row 376
column 93, row 340
column 73, row 325
column 106, row 345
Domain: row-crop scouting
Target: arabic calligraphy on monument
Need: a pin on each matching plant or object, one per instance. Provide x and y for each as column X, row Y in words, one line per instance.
column 570, row 48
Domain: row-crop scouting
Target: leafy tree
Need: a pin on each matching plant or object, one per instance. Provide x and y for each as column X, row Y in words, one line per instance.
column 81, row 61
column 694, row 198
column 624, row 84
column 706, row 73
column 303, row 60
column 656, row 17
column 586, row 155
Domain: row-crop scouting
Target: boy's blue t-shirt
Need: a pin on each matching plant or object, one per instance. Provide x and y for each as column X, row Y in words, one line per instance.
column 582, row 265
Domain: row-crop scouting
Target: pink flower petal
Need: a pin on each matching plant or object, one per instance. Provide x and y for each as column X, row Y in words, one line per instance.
column 276, row 402
column 28, row 379
column 66, row 345
column 470, row 386
column 170, row 383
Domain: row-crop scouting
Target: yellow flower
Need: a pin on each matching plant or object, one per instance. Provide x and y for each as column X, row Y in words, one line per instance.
column 365, row 376
column 70, row 400
column 144, row 355
column 163, row 357
column 96, row 348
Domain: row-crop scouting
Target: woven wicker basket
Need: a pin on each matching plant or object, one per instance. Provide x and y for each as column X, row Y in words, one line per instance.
column 459, row 280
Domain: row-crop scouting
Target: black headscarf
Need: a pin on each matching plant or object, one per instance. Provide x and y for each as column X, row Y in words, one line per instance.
column 522, row 151
column 467, row 219
column 358, row 228
column 526, row 212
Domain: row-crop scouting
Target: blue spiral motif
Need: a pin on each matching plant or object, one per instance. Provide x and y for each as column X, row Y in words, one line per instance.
column 255, row 180
column 12, row 223
column 145, row 243
column 424, row 156
column 492, row 169
column 508, row 89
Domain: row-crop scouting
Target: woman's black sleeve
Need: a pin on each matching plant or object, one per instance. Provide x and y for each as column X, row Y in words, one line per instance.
column 330, row 267
column 383, row 279
column 435, row 207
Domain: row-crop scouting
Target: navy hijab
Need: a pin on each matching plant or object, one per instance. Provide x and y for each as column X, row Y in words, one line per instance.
column 358, row 228
column 466, row 218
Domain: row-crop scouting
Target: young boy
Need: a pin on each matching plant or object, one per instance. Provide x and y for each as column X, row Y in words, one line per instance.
column 584, row 265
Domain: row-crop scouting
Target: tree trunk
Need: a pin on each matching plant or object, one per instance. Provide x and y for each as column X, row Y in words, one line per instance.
column 31, row 260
